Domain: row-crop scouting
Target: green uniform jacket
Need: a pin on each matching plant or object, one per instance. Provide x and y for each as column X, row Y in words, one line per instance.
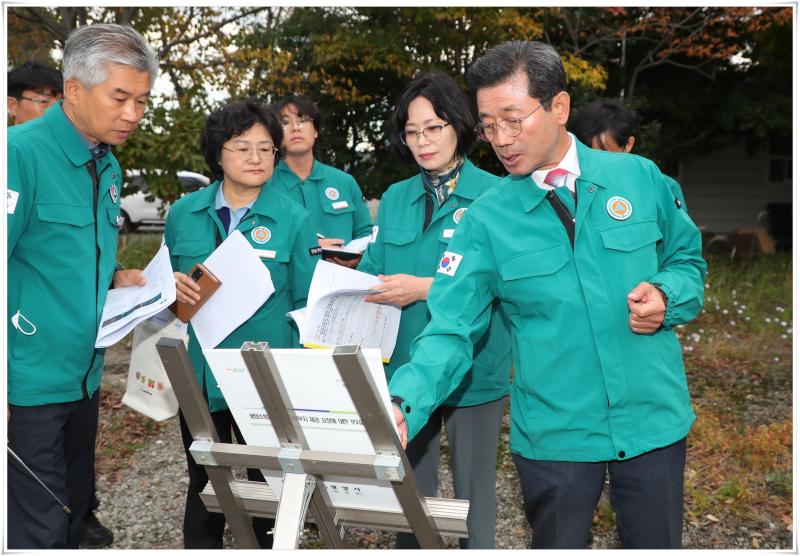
column 402, row 248
column 61, row 259
column 332, row 197
column 191, row 235
column 677, row 192
column 585, row 387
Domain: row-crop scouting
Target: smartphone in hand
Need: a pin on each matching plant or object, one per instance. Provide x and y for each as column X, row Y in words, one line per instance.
column 208, row 285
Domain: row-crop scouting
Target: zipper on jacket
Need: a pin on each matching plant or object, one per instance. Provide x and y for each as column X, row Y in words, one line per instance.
column 92, row 169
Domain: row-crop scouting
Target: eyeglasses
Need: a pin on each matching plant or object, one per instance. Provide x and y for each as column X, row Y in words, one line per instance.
column 40, row 101
column 263, row 151
column 432, row 133
column 510, row 126
column 298, row 123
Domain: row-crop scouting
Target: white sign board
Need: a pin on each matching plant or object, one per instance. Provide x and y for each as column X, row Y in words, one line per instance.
column 323, row 408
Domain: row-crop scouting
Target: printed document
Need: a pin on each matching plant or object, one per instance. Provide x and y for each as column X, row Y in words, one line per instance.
column 322, row 406
column 246, row 285
column 336, row 313
column 126, row 307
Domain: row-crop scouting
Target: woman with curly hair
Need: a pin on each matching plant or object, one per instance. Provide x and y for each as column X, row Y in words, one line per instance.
column 240, row 144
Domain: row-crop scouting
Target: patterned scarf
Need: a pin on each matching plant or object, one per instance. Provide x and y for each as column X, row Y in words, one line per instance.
column 441, row 184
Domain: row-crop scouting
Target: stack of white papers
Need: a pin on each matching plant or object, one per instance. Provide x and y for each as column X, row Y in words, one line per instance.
column 337, row 315
column 127, row 307
column 246, row 285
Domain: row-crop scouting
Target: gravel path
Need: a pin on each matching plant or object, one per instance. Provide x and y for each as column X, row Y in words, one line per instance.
column 143, row 506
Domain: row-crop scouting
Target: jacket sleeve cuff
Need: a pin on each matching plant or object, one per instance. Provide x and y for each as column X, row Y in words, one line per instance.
column 663, row 282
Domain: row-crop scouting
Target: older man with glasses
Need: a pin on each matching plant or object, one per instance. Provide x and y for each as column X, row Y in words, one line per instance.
column 594, row 264
column 63, row 205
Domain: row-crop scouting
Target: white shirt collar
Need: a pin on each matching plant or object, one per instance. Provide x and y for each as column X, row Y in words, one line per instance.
column 568, row 163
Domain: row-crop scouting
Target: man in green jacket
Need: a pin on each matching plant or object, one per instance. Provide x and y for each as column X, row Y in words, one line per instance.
column 63, row 218
column 333, row 197
column 594, row 264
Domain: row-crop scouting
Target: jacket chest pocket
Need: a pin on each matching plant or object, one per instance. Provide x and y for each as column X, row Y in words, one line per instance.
column 337, row 207
column 535, row 278
column 399, row 250
column 337, row 218
column 632, row 248
column 78, row 216
column 189, row 253
column 65, row 224
column 277, row 261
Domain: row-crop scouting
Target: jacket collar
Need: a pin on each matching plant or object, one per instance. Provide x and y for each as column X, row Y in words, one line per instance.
column 266, row 204
column 292, row 180
column 592, row 171
column 593, row 165
column 67, row 136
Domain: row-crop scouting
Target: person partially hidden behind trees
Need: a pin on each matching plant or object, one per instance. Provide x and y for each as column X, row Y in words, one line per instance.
column 609, row 125
column 32, row 89
column 594, row 265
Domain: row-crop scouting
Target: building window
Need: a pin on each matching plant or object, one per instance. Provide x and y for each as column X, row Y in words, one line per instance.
column 779, row 169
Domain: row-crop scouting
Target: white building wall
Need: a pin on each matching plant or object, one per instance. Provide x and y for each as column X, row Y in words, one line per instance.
column 726, row 189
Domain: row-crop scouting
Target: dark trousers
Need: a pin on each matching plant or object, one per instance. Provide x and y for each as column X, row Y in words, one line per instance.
column 473, row 433
column 57, row 442
column 646, row 491
column 201, row 528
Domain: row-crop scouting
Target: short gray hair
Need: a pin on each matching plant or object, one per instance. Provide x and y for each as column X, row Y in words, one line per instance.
column 539, row 61
column 89, row 50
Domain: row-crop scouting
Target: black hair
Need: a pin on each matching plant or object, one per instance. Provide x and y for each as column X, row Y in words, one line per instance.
column 605, row 115
column 33, row 76
column 232, row 120
column 449, row 103
column 305, row 107
column 539, row 61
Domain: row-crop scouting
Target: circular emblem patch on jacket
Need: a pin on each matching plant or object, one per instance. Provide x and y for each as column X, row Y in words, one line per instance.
column 458, row 214
column 619, row 208
column 332, row 193
column 260, row 235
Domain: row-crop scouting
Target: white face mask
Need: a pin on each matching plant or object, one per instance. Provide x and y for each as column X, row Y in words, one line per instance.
column 15, row 321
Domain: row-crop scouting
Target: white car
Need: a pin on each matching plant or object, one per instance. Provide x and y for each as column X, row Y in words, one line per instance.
column 138, row 211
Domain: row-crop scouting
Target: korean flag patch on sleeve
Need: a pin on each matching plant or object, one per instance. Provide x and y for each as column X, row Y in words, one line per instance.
column 449, row 263
column 11, row 201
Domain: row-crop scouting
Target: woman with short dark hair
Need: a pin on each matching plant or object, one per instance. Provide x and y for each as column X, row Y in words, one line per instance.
column 240, row 144
column 432, row 127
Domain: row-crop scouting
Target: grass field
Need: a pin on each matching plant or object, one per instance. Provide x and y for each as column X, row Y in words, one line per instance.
column 738, row 356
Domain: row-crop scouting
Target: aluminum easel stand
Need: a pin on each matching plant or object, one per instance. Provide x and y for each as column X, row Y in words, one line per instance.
column 303, row 469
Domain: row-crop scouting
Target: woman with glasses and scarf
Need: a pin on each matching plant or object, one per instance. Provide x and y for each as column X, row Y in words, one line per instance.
column 240, row 145
column 432, row 127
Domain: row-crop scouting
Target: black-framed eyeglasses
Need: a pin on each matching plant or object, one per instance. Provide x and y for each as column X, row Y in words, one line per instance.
column 40, row 101
column 510, row 126
column 264, row 151
column 432, row 133
column 298, row 122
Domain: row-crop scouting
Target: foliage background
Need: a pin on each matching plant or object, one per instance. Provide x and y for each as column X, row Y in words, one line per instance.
column 698, row 76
